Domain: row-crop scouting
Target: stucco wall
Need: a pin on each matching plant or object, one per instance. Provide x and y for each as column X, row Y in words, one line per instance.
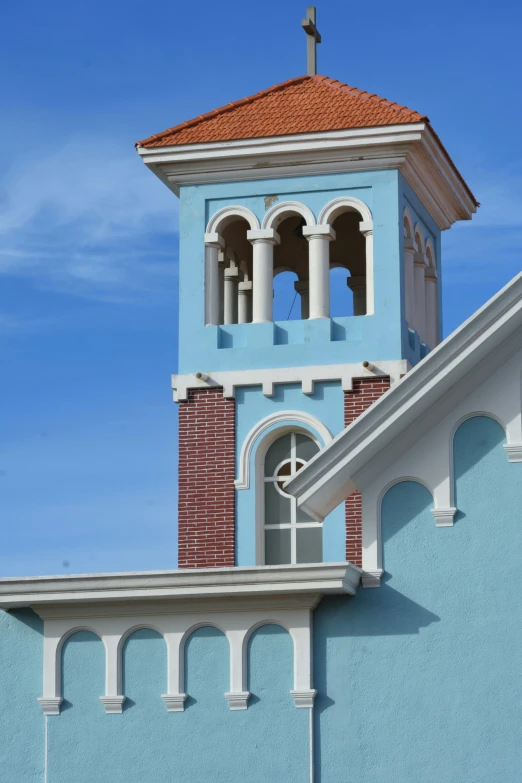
column 420, row 680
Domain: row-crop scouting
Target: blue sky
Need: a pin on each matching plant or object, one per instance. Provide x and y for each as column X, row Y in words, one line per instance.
column 88, row 242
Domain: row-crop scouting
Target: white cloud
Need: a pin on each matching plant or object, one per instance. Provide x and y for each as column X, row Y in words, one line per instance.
column 88, row 217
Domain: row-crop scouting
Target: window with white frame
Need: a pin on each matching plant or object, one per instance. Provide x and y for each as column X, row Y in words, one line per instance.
column 290, row 535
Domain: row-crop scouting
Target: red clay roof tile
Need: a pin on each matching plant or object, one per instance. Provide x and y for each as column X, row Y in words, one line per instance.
column 307, row 104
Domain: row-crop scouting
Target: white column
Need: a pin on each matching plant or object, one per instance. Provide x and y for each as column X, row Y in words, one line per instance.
column 358, row 287
column 303, row 692
column 302, row 287
column 419, row 265
column 263, row 241
column 230, row 295
column 113, row 699
column 319, row 238
column 366, row 229
column 244, row 302
column 409, row 299
column 175, row 697
column 432, row 314
column 238, row 695
column 213, row 244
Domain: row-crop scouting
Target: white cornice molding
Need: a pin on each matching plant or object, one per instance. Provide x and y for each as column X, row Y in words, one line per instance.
column 307, row 376
column 514, row 451
column 202, row 583
column 413, row 149
column 444, row 517
column 174, row 702
column 304, row 699
column 329, row 475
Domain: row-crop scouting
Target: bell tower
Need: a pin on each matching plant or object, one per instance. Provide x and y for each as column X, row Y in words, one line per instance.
column 348, row 192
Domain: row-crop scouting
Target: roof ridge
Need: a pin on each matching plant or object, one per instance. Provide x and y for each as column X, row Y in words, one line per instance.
column 223, row 109
column 365, row 95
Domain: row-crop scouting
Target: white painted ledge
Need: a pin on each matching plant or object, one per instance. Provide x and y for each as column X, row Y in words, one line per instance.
column 372, row 578
column 205, row 583
column 514, row 451
column 175, row 702
column 50, row 704
column 304, row 699
column 113, row 704
column 444, row 517
column 238, row 701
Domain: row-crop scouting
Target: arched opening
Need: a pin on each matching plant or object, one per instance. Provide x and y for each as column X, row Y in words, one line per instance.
column 409, row 251
column 341, row 295
column 291, row 270
column 235, row 274
column 348, row 251
column 286, row 295
column 431, row 297
column 290, row 535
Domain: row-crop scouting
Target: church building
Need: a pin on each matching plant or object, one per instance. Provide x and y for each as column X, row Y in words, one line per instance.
column 346, row 605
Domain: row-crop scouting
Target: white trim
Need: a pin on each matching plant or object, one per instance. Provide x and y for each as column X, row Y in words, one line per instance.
column 43, row 593
column 174, row 702
column 257, row 432
column 307, row 376
column 238, row 701
column 444, row 517
column 223, row 217
column 50, row 704
column 238, row 620
column 279, row 212
column 412, row 148
column 514, row 451
column 345, row 203
column 113, row 704
column 304, row 699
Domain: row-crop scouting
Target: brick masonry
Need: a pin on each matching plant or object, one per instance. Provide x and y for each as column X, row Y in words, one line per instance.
column 364, row 392
column 206, row 505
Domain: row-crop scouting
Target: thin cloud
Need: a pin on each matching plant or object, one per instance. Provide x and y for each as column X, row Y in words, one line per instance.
column 88, row 218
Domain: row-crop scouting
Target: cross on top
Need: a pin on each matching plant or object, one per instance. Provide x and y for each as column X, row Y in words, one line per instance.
column 313, row 38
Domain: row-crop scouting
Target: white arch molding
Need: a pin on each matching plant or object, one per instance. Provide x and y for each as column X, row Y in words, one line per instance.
column 285, row 209
column 237, row 625
column 227, row 215
column 288, row 418
column 336, row 207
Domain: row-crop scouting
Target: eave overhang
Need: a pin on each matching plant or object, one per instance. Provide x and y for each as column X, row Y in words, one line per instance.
column 413, row 149
column 315, row 579
column 488, row 337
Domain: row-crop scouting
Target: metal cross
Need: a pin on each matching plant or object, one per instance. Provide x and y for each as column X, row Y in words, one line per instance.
column 313, row 38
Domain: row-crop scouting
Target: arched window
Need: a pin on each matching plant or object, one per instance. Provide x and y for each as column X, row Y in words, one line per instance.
column 290, row 535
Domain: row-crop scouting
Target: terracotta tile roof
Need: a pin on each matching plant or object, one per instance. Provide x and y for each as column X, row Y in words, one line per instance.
column 307, row 104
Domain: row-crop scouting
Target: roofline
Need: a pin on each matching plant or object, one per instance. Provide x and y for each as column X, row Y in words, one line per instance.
column 317, row 485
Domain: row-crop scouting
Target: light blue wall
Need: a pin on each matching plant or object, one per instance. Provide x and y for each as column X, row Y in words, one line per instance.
column 420, row 680
column 284, row 344
column 207, row 743
column 327, row 405
column 21, row 719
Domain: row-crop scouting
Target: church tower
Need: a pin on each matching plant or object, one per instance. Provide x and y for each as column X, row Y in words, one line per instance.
column 350, row 193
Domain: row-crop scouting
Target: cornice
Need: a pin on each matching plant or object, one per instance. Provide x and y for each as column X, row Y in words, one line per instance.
column 311, row 580
column 413, row 149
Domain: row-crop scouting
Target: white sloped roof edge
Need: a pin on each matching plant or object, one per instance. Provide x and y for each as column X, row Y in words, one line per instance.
column 318, row 484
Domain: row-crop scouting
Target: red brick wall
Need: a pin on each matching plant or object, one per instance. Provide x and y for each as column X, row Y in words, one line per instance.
column 364, row 392
column 206, row 505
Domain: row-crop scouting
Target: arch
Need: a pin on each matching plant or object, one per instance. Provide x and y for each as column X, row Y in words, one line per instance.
column 408, row 224
column 248, row 638
column 420, row 242
column 346, row 203
column 60, row 652
column 279, row 212
column 431, row 258
column 183, row 645
column 121, row 643
column 223, row 217
column 286, row 419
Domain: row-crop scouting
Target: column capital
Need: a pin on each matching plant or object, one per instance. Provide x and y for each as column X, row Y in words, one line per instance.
column 409, row 247
column 231, row 272
column 319, row 232
column 419, row 259
column 268, row 236
column 302, row 286
column 245, row 287
column 366, row 227
column 214, row 240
